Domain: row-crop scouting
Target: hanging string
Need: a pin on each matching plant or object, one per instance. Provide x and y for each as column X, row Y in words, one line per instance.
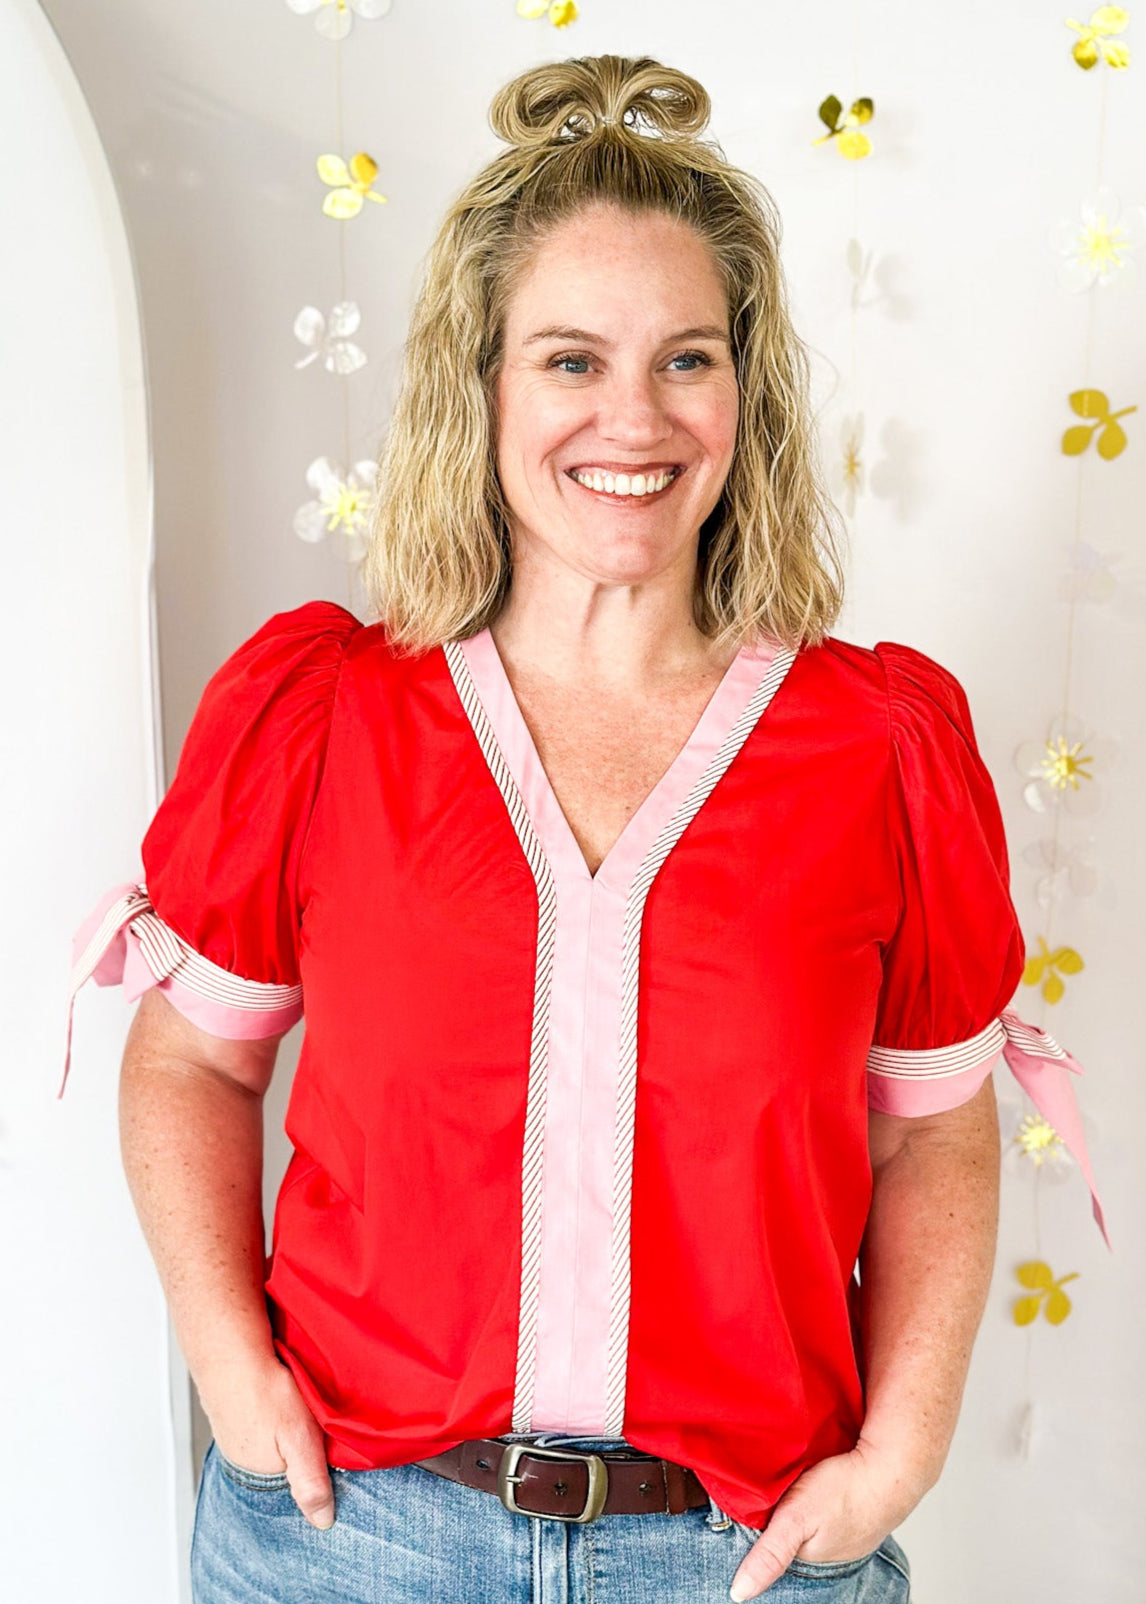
column 1027, row 1414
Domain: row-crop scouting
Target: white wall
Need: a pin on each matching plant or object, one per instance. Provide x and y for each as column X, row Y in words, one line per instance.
column 986, row 134
column 95, row 1439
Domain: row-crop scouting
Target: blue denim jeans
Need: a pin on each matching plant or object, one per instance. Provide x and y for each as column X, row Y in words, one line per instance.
column 406, row 1536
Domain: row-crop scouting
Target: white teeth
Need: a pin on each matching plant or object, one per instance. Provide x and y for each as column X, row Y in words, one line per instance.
column 623, row 484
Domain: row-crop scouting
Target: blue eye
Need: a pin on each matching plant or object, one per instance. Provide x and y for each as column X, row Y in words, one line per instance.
column 577, row 366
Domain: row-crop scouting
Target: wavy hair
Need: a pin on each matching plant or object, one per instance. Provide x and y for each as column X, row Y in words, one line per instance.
column 582, row 132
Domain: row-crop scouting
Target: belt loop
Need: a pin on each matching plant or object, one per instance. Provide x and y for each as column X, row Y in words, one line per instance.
column 716, row 1519
column 674, row 1488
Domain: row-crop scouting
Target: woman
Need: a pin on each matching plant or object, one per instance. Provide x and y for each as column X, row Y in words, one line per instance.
column 655, row 948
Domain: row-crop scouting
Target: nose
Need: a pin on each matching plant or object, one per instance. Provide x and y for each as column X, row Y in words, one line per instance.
column 631, row 411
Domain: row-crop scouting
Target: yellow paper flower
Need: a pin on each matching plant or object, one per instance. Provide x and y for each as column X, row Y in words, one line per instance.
column 352, row 183
column 561, row 12
column 1038, row 1140
column 1095, row 38
column 845, row 128
column 1055, row 767
column 1094, row 404
column 1049, row 967
column 1044, row 1292
column 1065, row 765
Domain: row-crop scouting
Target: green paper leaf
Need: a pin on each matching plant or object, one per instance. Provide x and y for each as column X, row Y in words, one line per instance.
column 830, row 110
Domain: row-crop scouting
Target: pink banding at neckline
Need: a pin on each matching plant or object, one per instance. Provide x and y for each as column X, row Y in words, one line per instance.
column 124, row 942
column 575, row 1305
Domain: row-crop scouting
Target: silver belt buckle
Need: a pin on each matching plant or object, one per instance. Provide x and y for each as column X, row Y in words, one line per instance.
column 507, row 1481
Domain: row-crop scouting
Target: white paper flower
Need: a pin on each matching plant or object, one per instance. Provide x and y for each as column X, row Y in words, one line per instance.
column 1066, row 869
column 848, row 473
column 1030, row 1143
column 345, row 501
column 1031, row 1147
column 1060, row 770
column 336, row 17
column 329, row 340
column 859, row 264
column 1088, row 577
column 1097, row 246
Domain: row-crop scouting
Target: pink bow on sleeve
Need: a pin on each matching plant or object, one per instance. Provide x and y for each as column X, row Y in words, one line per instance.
column 1043, row 1069
column 101, row 952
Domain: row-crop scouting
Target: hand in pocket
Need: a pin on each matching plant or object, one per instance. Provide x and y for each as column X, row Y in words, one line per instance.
column 262, row 1424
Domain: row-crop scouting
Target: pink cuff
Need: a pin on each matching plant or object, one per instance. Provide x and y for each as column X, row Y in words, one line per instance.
column 929, row 1080
column 124, row 942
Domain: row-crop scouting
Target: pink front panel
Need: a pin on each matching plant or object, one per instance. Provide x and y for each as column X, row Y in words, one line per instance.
column 577, row 1299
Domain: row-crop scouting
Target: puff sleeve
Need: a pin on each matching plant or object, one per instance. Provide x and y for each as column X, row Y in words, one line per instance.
column 957, row 954
column 211, row 917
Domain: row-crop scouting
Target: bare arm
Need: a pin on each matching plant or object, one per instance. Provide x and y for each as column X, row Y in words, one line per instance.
column 925, row 1267
column 191, row 1131
column 925, row 1270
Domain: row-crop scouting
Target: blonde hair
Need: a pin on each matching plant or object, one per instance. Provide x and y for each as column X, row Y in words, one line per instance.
column 582, row 132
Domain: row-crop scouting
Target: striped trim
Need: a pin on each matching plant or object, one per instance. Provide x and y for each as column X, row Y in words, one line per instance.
column 198, row 987
column 1031, row 1038
column 166, row 953
column 620, row 1289
column 533, row 1144
column 936, row 1063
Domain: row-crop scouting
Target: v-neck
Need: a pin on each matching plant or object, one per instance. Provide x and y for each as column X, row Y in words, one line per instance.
column 619, row 865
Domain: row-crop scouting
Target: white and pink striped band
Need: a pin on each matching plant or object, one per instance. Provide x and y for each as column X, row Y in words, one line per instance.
column 929, row 1080
column 123, row 941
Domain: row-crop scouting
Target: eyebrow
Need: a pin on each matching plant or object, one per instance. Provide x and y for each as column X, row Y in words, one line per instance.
column 561, row 331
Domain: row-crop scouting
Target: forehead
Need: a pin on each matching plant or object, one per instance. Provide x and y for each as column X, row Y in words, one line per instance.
column 605, row 263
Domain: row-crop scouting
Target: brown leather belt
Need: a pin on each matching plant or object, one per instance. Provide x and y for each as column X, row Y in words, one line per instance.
column 568, row 1484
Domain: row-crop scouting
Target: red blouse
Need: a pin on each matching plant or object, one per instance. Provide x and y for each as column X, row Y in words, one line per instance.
column 576, row 1152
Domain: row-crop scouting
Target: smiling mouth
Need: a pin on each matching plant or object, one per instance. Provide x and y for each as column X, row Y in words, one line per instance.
column 625, row 486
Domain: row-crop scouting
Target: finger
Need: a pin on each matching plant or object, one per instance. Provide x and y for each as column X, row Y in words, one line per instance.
column 767, row 1559
column 311, row 1490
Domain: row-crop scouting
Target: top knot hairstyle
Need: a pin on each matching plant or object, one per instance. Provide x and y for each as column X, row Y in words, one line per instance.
column 576, row 99
column 615, row 131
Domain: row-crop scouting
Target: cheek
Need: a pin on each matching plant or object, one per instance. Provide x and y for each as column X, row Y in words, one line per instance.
column 709, row 415
column 535, row 420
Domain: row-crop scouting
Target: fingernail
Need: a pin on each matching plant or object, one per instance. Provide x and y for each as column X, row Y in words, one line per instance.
column 740, row 1591
column 324, row 1525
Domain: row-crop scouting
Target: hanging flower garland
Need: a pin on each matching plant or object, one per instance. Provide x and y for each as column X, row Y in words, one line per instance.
column 335, row 18
column 343, row 489
column 847, row 131
column 1063, row 772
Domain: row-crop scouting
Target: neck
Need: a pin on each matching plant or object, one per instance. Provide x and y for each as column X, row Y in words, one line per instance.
column 570, row 628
